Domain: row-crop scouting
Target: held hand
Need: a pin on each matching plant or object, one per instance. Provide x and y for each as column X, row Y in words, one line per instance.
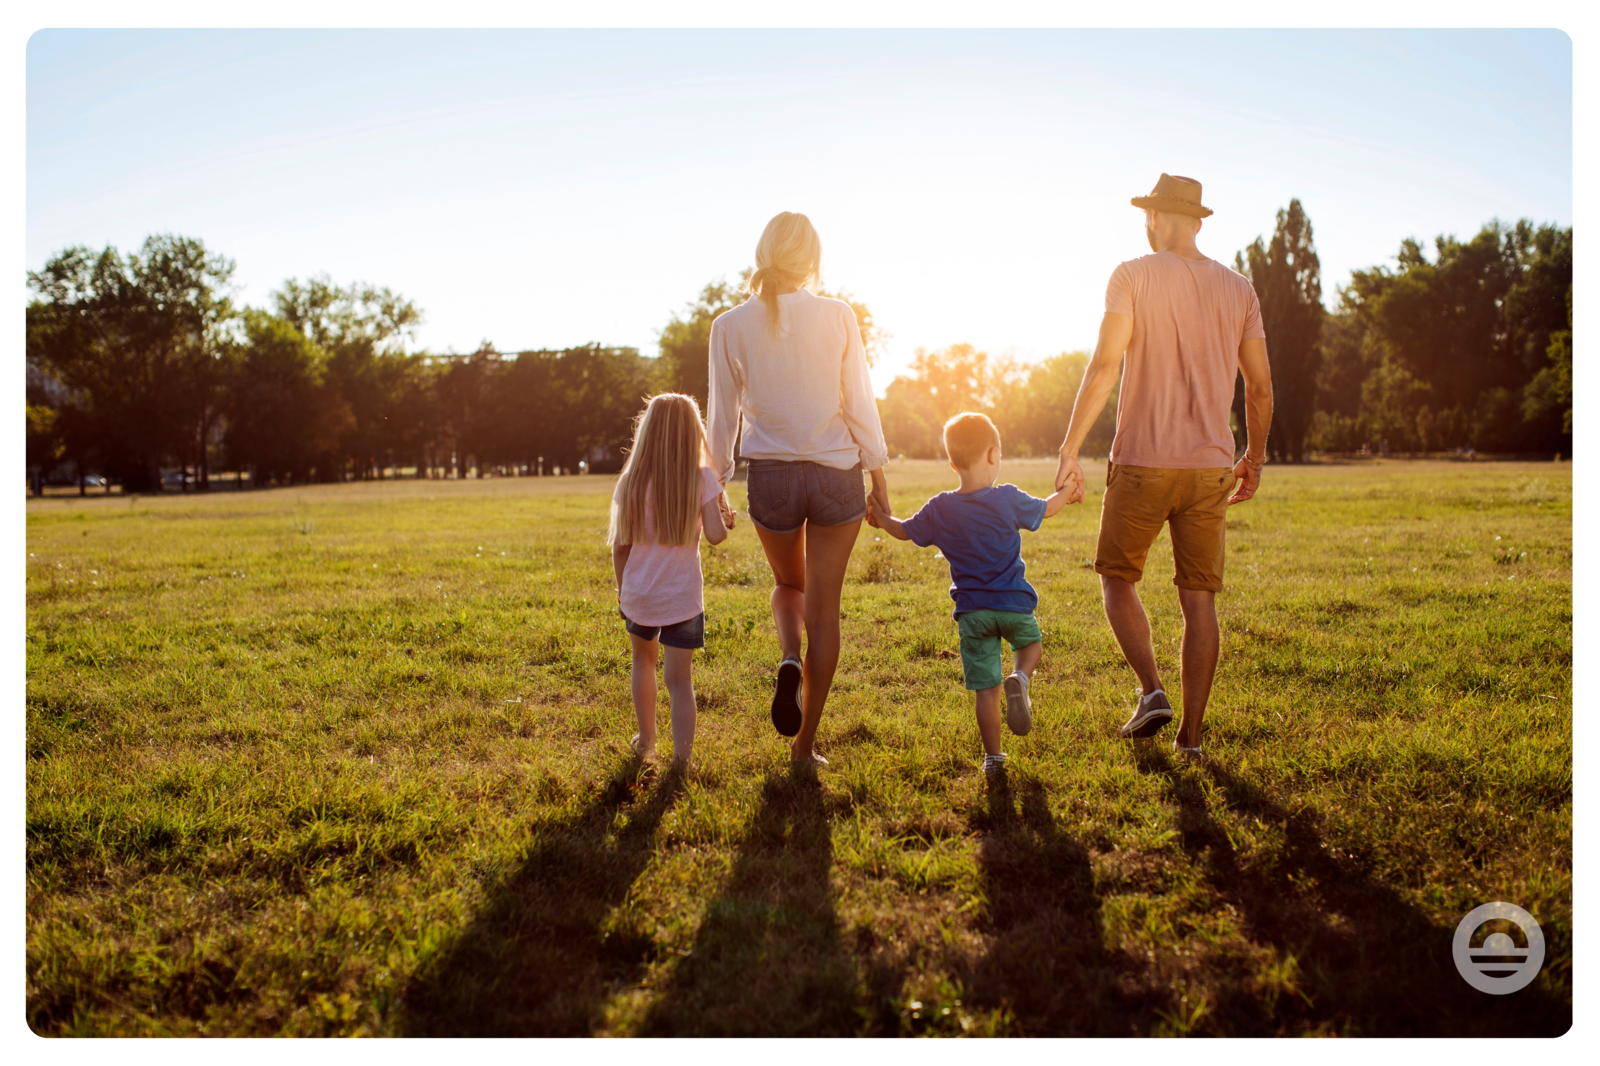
column 1069, row 476
column 1248, row 479
column 729, row 515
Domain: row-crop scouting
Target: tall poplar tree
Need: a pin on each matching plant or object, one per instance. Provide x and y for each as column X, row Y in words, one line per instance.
column 1288, row 281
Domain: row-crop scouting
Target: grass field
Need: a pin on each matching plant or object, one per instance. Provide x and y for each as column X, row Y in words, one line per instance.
column 353, row 759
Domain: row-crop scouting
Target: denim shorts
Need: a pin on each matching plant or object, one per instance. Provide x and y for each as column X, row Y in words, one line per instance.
column 690, row 633
column 783, row 496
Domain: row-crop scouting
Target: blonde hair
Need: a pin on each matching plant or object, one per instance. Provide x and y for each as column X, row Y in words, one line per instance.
column 967, row 436
column 669, row 444
column 788, row 255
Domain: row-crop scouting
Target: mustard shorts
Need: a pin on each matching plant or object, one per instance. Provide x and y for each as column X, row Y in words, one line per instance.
column 1140, row 499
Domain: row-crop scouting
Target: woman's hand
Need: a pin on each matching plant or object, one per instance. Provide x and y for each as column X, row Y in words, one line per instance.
column 729, row 515
column 880, row 495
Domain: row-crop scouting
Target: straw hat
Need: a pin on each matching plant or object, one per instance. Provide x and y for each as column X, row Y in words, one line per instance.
column 1173, row 193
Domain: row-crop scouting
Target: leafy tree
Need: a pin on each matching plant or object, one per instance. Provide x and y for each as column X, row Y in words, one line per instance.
column 1287, row 277
column 1033, row 416
column 282, row 414
column 940, row 384
column 137, row 342
column 364, row 331
column 43, row 443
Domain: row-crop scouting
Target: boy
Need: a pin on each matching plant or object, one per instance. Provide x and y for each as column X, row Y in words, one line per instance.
column 976, row 528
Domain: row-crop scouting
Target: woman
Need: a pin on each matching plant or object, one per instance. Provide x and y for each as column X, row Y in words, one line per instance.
column 792, row 364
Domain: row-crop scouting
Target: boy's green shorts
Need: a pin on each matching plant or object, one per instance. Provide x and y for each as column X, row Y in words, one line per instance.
column 981, row 631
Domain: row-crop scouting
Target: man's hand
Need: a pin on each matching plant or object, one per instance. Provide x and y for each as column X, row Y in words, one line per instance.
column 1248, row 480
column 1069, row 477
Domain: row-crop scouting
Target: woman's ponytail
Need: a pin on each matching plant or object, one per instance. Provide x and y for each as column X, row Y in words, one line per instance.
column 788, row 256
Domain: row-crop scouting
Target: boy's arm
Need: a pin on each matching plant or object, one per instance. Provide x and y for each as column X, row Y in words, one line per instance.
column 886, row 521
column 1055, row 501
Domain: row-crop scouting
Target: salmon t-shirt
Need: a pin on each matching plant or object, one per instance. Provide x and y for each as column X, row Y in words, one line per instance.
column 661, row 584
column 1189, row 316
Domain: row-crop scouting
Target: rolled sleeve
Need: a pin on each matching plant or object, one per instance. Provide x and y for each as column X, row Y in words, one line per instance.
column 856, row 401
column 722, row 404
column 1119, row 292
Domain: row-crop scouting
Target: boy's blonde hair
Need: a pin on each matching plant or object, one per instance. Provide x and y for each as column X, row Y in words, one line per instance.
column 789, row 254
column 669, row 445
column 968, row 436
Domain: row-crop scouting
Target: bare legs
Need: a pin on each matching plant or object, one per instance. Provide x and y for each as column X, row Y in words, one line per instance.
column 808, row 566
column 1025, row 660
column 680, row 691
column 1202, row 644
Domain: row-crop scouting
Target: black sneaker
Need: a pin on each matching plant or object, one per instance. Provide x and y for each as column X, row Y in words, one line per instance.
column 786, row 699
column 1152, row 713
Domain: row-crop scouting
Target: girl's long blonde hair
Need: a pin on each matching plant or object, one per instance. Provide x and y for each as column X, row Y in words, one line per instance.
column 788, row 255
column 669, row 445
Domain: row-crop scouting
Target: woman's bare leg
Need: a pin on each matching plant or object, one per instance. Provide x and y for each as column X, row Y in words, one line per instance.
column 786, row 554
column 827, row 554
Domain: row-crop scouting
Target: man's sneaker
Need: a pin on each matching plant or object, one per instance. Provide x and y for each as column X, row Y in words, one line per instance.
column 1193, row 754
column 786, row 698
column 1019, row 708
column 1152, row 713
column 994, row 764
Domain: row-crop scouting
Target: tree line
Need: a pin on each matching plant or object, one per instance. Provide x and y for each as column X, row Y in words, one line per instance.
column 1469, row 349
column 141, row 362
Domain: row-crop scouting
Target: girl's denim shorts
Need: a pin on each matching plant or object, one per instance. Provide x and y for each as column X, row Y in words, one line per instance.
column 783, row 496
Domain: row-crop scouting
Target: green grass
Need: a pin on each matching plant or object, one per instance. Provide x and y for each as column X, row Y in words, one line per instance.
column 353, row 759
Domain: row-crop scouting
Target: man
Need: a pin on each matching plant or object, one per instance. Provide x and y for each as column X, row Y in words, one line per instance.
column 1187, row 324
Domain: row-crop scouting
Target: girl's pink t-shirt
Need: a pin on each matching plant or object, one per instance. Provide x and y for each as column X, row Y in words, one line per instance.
column 661, row 584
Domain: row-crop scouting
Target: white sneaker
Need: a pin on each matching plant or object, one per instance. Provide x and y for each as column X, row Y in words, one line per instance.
column 994, row 764
column 1193, row 754
column 1019, row 708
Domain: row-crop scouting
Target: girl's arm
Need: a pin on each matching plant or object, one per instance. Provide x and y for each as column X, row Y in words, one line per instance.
column 712, row 520
column 619, row 563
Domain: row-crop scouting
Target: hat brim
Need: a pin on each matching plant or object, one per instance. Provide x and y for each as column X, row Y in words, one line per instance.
column 1182, row 207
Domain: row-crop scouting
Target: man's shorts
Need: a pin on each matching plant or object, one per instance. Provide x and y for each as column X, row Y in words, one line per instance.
column 783, row 496
column 1139, row 499
column 690, row 633
column 981, row 631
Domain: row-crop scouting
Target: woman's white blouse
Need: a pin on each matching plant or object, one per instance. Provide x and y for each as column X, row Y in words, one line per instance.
column 804, row 393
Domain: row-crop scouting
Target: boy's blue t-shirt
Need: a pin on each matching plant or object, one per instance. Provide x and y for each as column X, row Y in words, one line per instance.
column 979, row 537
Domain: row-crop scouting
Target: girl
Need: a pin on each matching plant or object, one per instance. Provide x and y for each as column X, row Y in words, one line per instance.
column 665, row 496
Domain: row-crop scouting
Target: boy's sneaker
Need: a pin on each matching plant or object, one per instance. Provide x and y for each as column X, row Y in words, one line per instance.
column 1152, row 713
column 786, row 698
column 994, row 764
column 1019, row 708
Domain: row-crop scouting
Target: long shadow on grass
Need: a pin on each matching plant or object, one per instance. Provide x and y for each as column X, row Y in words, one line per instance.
column 1371, row 964
column 1047, row 962
column 768, row 959
column 535, row 962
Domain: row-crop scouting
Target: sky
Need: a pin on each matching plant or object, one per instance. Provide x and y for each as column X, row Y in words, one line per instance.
column 548, row 188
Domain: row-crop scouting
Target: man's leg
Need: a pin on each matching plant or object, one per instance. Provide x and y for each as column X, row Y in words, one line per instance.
column 1201, row 645
column 1132, row 629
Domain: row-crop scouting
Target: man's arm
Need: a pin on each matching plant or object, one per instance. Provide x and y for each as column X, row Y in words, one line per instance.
column 1257, row 416
column 886, row 521
column 1115, row 333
